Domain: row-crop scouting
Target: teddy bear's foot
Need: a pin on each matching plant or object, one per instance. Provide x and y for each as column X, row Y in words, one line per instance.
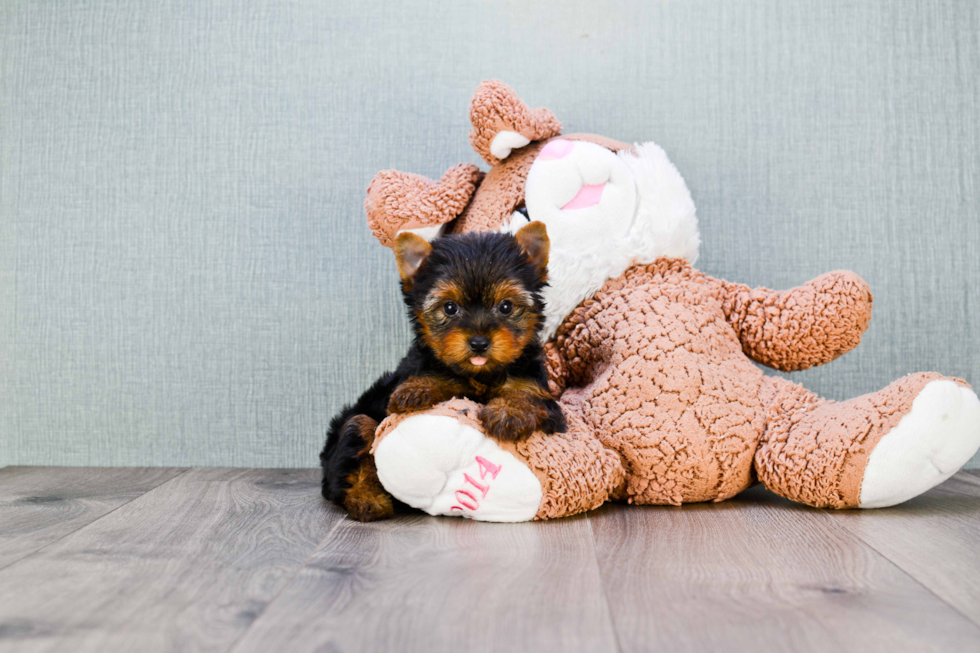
column 441, row 463
column 932, row 441
column 871, row 451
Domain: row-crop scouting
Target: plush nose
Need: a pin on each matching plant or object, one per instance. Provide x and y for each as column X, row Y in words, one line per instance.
column 479, row 344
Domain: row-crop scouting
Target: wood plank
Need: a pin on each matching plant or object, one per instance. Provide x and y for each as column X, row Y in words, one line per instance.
column 439, row 584
column 186, row 567
column 935, row 538
column 39, row 505
column 760, row 573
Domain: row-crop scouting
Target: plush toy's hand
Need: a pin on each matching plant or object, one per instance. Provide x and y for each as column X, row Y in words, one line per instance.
column 799, row 328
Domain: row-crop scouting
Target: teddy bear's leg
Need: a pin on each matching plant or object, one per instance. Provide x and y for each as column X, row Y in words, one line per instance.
column 873, row 451
column 440, row 461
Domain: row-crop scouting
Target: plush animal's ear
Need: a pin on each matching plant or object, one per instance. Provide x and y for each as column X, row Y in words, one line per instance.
column 502, row 122
column 533, row 239
column 410, row 252
column 399, row 201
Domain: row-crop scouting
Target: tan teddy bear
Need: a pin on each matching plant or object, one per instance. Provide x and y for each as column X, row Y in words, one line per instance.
column 652, row 359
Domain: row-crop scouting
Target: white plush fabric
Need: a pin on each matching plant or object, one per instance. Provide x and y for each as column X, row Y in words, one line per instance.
column 929, row 444
column 506, row 141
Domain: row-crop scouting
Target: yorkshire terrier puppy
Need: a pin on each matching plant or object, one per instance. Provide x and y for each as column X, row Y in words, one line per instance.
column 475, row 305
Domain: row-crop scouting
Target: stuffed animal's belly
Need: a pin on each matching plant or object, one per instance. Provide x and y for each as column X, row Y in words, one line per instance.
column 687, row 427
column 671, row 389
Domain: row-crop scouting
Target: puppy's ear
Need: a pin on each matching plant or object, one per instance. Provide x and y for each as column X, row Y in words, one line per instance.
column 410, row 251
column 533, row 239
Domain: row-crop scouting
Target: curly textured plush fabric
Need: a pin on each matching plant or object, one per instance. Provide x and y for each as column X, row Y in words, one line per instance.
column 803, row 327
column 661, row 358
column 661, row 378
column 399, row 200
column 576, row 471
column 495, row 108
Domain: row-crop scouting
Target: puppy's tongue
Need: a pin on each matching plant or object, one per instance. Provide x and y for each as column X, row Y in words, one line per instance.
column 478, row 361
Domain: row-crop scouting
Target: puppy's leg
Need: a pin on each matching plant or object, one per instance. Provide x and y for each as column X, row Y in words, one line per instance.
column 365, row 498
column 342, row 449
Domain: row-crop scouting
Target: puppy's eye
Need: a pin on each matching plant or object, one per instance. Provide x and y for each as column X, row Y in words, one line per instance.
column 505, row 307
column 450, row 308
column 522, row 209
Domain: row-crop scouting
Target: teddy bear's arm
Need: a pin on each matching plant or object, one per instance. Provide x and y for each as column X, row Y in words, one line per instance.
column 802, row 327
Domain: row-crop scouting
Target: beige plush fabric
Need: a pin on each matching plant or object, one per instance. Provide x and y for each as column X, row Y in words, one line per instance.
column 400, row 200
column 657, row 356
column 577, row 471
column 816, row 323
column 661, row 378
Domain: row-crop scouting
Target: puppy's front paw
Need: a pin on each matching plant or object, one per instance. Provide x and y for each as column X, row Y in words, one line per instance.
column 413, row 395
column 510, row 420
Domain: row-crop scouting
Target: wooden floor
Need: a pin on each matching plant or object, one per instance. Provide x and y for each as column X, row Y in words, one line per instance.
column 253, row 560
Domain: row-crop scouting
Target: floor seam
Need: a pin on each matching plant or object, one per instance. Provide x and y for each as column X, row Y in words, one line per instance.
column 602, row 586
column 97, row 519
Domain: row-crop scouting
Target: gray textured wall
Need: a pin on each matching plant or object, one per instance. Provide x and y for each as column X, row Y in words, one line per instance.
column 185, row 273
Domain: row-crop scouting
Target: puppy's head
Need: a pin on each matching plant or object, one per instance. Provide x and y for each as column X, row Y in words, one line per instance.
column 475, row 299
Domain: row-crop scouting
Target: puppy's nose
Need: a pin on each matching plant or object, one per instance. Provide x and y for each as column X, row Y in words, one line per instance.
column 479, row 344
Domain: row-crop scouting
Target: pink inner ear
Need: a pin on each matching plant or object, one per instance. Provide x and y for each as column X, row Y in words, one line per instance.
column 587, row 196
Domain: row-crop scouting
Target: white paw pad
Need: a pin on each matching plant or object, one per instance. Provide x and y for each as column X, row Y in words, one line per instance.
column 938, row 436
column 436, row 464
